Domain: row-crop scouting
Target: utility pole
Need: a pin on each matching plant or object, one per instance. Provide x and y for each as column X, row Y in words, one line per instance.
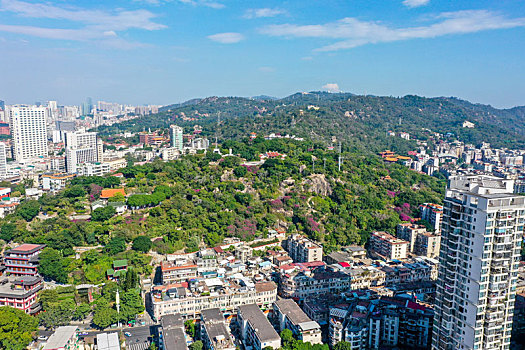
column 117, row 302
column 340, row 159
column 324, row 166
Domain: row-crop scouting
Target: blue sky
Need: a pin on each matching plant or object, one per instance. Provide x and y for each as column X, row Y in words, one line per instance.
column 166, row 51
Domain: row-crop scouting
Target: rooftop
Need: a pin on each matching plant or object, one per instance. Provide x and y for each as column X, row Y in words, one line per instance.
column 258, row 321
column 108, row 193
column 292, row 311
column 212, row 316
column 108, row 341
column 60, row 338
column 26, row 248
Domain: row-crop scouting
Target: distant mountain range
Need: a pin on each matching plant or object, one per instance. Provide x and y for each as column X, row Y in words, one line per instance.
column 359, row 121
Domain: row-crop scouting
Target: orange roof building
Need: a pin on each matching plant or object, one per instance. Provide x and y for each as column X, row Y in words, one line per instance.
column 108, row 193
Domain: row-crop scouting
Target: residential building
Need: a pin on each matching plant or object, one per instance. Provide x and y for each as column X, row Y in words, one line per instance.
column 427, row 244
column 21, row 293
column 23, row 260
column 302, row 249
column 303, row 283
column 170, row 153
column 255, row 329
column 55, row 182
column 64, row 338
column 172, row 272
column 93, row 169
column 171, row 333
column 346, row 254
column 3, row 161
column 190, row 298
column 290, row 316
column 381, row 322
column 176, row 137
column 420, row 241
column 388, row 247
column 29, row 132
column 432, row 213
column 409, row 233
column 482, row 231
column 82, row 147
column 243, row 253
column 214, row 332
column 108, row 341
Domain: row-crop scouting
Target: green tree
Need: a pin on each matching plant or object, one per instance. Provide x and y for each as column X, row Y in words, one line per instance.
column 118, row 197
column 142, row 244
column 286, row 336
column 81, row 312
column 196, row 345
column 103, row 214
column 104, row 317
column 116, row 245
column 51, row 265
column 28, row 210
column 59, row 315
column 75, row 191
column 343, row 345
column 189, row 326
column 16, row 328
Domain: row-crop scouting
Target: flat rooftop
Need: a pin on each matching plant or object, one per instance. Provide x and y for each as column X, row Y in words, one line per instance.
column 258, row 321
column 212, row 315
column 108, row 341
column 60, row 338
column 174, row 339
column 294, row 313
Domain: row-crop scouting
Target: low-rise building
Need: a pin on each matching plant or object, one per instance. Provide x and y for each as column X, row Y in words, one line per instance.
column 290, row 316
column 64, row 338
column 23, row 260
column 302, row 249
column 189, row 299
column 213, row 331
column 120, row 267
column 432, row 213
column 255, row 329
column 427, row 244
column 304, row 283
column 384, row 321
column 388, row 247
column 173, row 272
column 171, row 333
column 55, row 182
column 21, row 293
column 108, row 341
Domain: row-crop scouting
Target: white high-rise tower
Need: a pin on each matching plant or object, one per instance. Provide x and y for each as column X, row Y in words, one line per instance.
column 29, row 131
column 482, row 229
column 176, row 137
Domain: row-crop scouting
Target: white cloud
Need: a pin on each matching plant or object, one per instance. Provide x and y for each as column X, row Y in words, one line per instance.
column 352, row 32
column 226, row 38
column 307, row 58
column 331, row 87
column 206, row 3
column 267, row 69
column 415, row 3
column 98, row 25
column 263, row 12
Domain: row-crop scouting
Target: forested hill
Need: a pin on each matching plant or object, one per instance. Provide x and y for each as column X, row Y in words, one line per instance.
column 360, row 121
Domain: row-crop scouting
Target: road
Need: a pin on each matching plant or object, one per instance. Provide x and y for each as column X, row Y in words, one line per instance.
column 140, row 338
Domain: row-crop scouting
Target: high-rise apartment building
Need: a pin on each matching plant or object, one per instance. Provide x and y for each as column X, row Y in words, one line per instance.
column 482, row 229
column 3, row 161
column 82, row 147
column 176, row 137
column 29, row 131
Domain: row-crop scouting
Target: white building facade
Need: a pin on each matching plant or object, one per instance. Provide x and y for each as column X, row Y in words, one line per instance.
column 480, row 251
column 29, row 131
